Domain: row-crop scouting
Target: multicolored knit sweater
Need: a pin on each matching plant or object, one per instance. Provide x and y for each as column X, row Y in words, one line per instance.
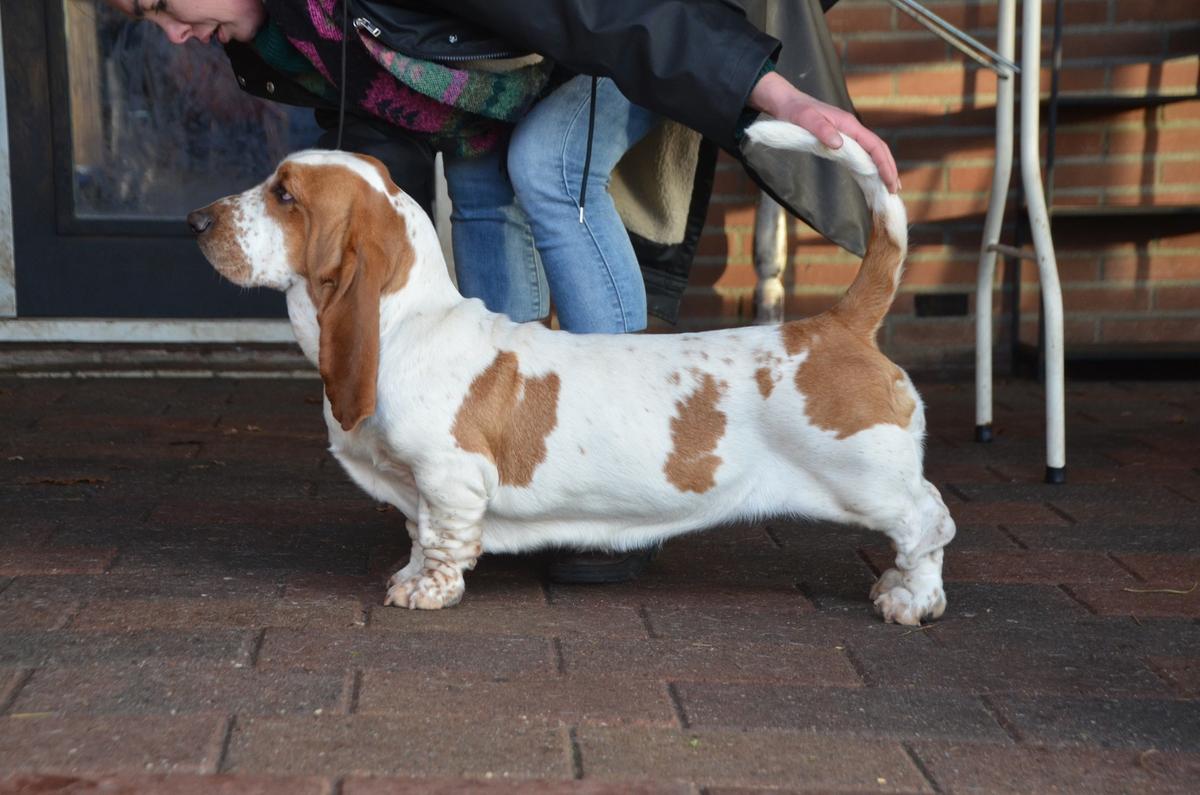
column 462, row 111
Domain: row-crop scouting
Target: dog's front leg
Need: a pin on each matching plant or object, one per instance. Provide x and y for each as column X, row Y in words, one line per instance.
column 416, row 557
column 446, row 541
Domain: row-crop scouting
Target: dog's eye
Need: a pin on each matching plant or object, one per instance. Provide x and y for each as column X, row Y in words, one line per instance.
column 282, row 194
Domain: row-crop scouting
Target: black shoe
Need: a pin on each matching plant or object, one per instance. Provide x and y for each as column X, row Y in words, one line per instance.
column 570, row 567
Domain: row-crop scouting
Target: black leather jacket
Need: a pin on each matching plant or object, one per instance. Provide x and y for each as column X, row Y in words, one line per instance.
column 693, row 61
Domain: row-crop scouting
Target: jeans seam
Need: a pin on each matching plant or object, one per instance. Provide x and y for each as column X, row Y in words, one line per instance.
column 540, row 302
column 615, row 292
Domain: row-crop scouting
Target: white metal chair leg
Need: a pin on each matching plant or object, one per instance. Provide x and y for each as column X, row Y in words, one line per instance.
column 770, row 258
column 1001, row 175
column 1039, row 223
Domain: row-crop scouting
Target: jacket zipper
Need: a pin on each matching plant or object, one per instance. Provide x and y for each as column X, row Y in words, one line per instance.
column 362, row 23
column 369, row 27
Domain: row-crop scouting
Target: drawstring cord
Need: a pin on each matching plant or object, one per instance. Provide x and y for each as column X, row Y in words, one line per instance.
column 342, row 102
column 587, row 158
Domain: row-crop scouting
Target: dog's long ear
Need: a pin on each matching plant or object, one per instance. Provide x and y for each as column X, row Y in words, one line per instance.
column 346, row 289
column 357, row 249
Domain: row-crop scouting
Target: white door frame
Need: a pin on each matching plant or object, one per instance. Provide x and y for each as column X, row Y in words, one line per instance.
column 8, row 271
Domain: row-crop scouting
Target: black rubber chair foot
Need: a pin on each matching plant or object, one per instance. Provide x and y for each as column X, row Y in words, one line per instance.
column 983, row 433
column 1056, row 476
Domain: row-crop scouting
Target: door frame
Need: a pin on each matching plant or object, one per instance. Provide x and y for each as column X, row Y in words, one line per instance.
column 8, row 272
column 17, row 329
column 115, row 331
column 63, row 267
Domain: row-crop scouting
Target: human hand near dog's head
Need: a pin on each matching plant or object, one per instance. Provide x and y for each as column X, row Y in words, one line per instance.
column 773, row 94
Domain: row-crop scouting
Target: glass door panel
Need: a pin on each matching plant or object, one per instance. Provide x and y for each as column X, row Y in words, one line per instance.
column 114, row 135
column 158, row 129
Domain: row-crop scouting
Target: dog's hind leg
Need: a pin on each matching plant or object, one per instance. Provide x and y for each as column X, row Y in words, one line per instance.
column 447, row 539
column 913, row 589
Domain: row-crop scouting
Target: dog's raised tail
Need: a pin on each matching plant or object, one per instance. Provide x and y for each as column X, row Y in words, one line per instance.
column 865, row 304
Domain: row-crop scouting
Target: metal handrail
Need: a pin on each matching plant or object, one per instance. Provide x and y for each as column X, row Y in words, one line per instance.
column 961, row 41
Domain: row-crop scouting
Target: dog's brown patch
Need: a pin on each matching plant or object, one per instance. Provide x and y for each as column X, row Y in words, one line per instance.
column 335, row 214
column 507, row 417
column 848, row 385
column 696, row 429
column 870, row 295
column 354, row 249
column 766, row 383
column 291, row 220
column 768, row 374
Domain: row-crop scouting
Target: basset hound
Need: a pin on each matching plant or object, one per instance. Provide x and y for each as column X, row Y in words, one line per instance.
column 495, row 436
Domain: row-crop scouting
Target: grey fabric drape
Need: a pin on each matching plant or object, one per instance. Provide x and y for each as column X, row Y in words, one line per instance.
column 818, row 191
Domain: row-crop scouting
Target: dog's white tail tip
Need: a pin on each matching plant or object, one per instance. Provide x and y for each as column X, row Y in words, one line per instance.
column 850, row 155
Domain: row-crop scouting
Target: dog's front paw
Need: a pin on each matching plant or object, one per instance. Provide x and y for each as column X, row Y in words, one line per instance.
column 899, row 601
column 411, row 570
column 430, row 590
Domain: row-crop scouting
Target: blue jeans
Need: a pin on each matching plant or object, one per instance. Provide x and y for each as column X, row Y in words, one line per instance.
column 517, row 237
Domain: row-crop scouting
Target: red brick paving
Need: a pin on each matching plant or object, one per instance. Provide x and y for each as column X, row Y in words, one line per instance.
column 1164, row 724
column 178, row 784
column 551, row 622
column 738, row 758
column 1139, row 599
column 989, row 768
column 60, row 561
column 191, row 591
column 36, row 614
column 59, row 743
column 1182, row 673
column 371, row 649
column 1043, row 567
column 457, row 786
column 572, row 700
column 1177, row 571
column 182, row 613
column 708, row 660
column 412, row 744
column 155, row 688
column 31, row 648
column 897, row 713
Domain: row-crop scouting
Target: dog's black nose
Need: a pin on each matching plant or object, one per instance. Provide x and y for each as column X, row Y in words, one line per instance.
column 199, row 221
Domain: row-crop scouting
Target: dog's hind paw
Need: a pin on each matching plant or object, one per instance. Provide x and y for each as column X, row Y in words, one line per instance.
column 431, row 590
column 897, row 601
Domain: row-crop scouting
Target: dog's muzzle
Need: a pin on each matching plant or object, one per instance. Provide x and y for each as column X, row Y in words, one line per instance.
column 199, row 221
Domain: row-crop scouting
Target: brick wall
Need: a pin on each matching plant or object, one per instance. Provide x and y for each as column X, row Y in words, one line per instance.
column 1136, row 280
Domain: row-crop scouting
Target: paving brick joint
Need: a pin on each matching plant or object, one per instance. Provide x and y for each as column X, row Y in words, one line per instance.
column 191, row 601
